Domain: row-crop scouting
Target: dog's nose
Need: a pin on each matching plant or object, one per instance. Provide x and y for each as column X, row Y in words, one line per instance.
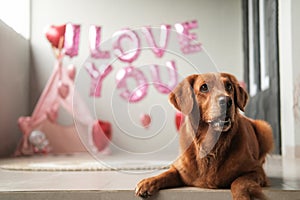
column 225, row 102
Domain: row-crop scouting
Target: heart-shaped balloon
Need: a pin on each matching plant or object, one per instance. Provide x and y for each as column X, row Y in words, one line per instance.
column 179, row 119
column 102, row 134
column 54, row 33
column 52, row 115
column 71, row 72
column 63, row 90
column 145, row 120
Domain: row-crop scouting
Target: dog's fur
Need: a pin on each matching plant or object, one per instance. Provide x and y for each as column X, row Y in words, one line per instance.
column 220, row 147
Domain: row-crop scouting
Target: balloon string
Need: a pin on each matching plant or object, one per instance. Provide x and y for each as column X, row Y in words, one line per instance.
column 58, row 52
column 57, row 73
column 44, row 97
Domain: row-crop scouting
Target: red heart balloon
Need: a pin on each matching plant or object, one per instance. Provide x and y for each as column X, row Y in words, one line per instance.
column 102, row 134
column 145, row 120
column 179, row 119
column 54, row 33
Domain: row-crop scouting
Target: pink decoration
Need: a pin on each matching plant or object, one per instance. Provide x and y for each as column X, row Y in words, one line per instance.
column 71, row 43
column 97, row 78
column 63, row 90
column 52, row 115
column 126, row 55
column 173, row 81
column 59, row 92
column 179, row 119
column 187, row 40
column 71, row 72
column 163, row 42
column 94, row 39
column 102, row 134
column 40, row 142
column 55, row 35
column 145, row 120
column 142, row 86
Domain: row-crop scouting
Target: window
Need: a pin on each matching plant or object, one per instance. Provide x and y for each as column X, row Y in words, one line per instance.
column 16, row 14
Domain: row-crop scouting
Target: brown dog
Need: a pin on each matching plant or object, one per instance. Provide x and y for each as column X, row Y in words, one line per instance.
column 221, row 148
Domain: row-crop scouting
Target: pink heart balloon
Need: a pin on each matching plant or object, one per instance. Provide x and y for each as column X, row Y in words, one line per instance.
column 63, row 90
column 145, row 120
column 52, row 115
column 71, row 72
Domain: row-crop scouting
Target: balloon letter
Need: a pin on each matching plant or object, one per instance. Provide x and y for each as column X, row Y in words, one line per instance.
column 131, row 54
column 97, row 78
column 71, row 42
column 164, row 37
column 187, row 40
column 95, row 38
column 162, row 87
column 142, row 86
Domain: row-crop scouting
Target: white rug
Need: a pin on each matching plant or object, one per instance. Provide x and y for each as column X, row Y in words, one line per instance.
column 79, row 163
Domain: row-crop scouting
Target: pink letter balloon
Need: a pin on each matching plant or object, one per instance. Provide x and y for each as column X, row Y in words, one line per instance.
column 158, row 84
column 126, row 55
column 97, row 78
column 142, row 86
column 95, row 38
column 71, row 43
column 187, row 40
column 163, row 42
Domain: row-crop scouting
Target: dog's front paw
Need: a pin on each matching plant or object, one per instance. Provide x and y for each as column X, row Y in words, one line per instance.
column 146, row 188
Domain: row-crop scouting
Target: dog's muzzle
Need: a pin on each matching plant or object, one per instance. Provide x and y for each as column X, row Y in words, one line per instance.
column 221, row 124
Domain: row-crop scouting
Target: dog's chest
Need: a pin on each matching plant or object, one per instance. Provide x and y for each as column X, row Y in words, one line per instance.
column 211, row 173
column 207, row 172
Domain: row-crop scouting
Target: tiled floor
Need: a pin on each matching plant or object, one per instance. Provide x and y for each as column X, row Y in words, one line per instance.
column 284, row 176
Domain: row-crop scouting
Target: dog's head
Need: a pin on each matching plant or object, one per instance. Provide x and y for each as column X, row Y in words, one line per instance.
column 212, row 99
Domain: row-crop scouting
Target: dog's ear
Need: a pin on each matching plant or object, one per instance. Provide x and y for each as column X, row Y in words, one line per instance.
column 240, row 96
column 182, row 97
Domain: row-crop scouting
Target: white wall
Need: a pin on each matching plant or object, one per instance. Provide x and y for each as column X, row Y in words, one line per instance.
column 14, row 86
column 295, row 36
column 220, row 30
column 220, row 26
column 296, row 66
column 289, row 76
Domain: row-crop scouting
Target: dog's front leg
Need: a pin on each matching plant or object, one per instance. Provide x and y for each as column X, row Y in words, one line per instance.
column 150, row 186
column 248, row 186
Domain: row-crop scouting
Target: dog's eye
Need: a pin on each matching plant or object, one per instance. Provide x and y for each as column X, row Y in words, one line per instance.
column 228, row 86
column 204, row 88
